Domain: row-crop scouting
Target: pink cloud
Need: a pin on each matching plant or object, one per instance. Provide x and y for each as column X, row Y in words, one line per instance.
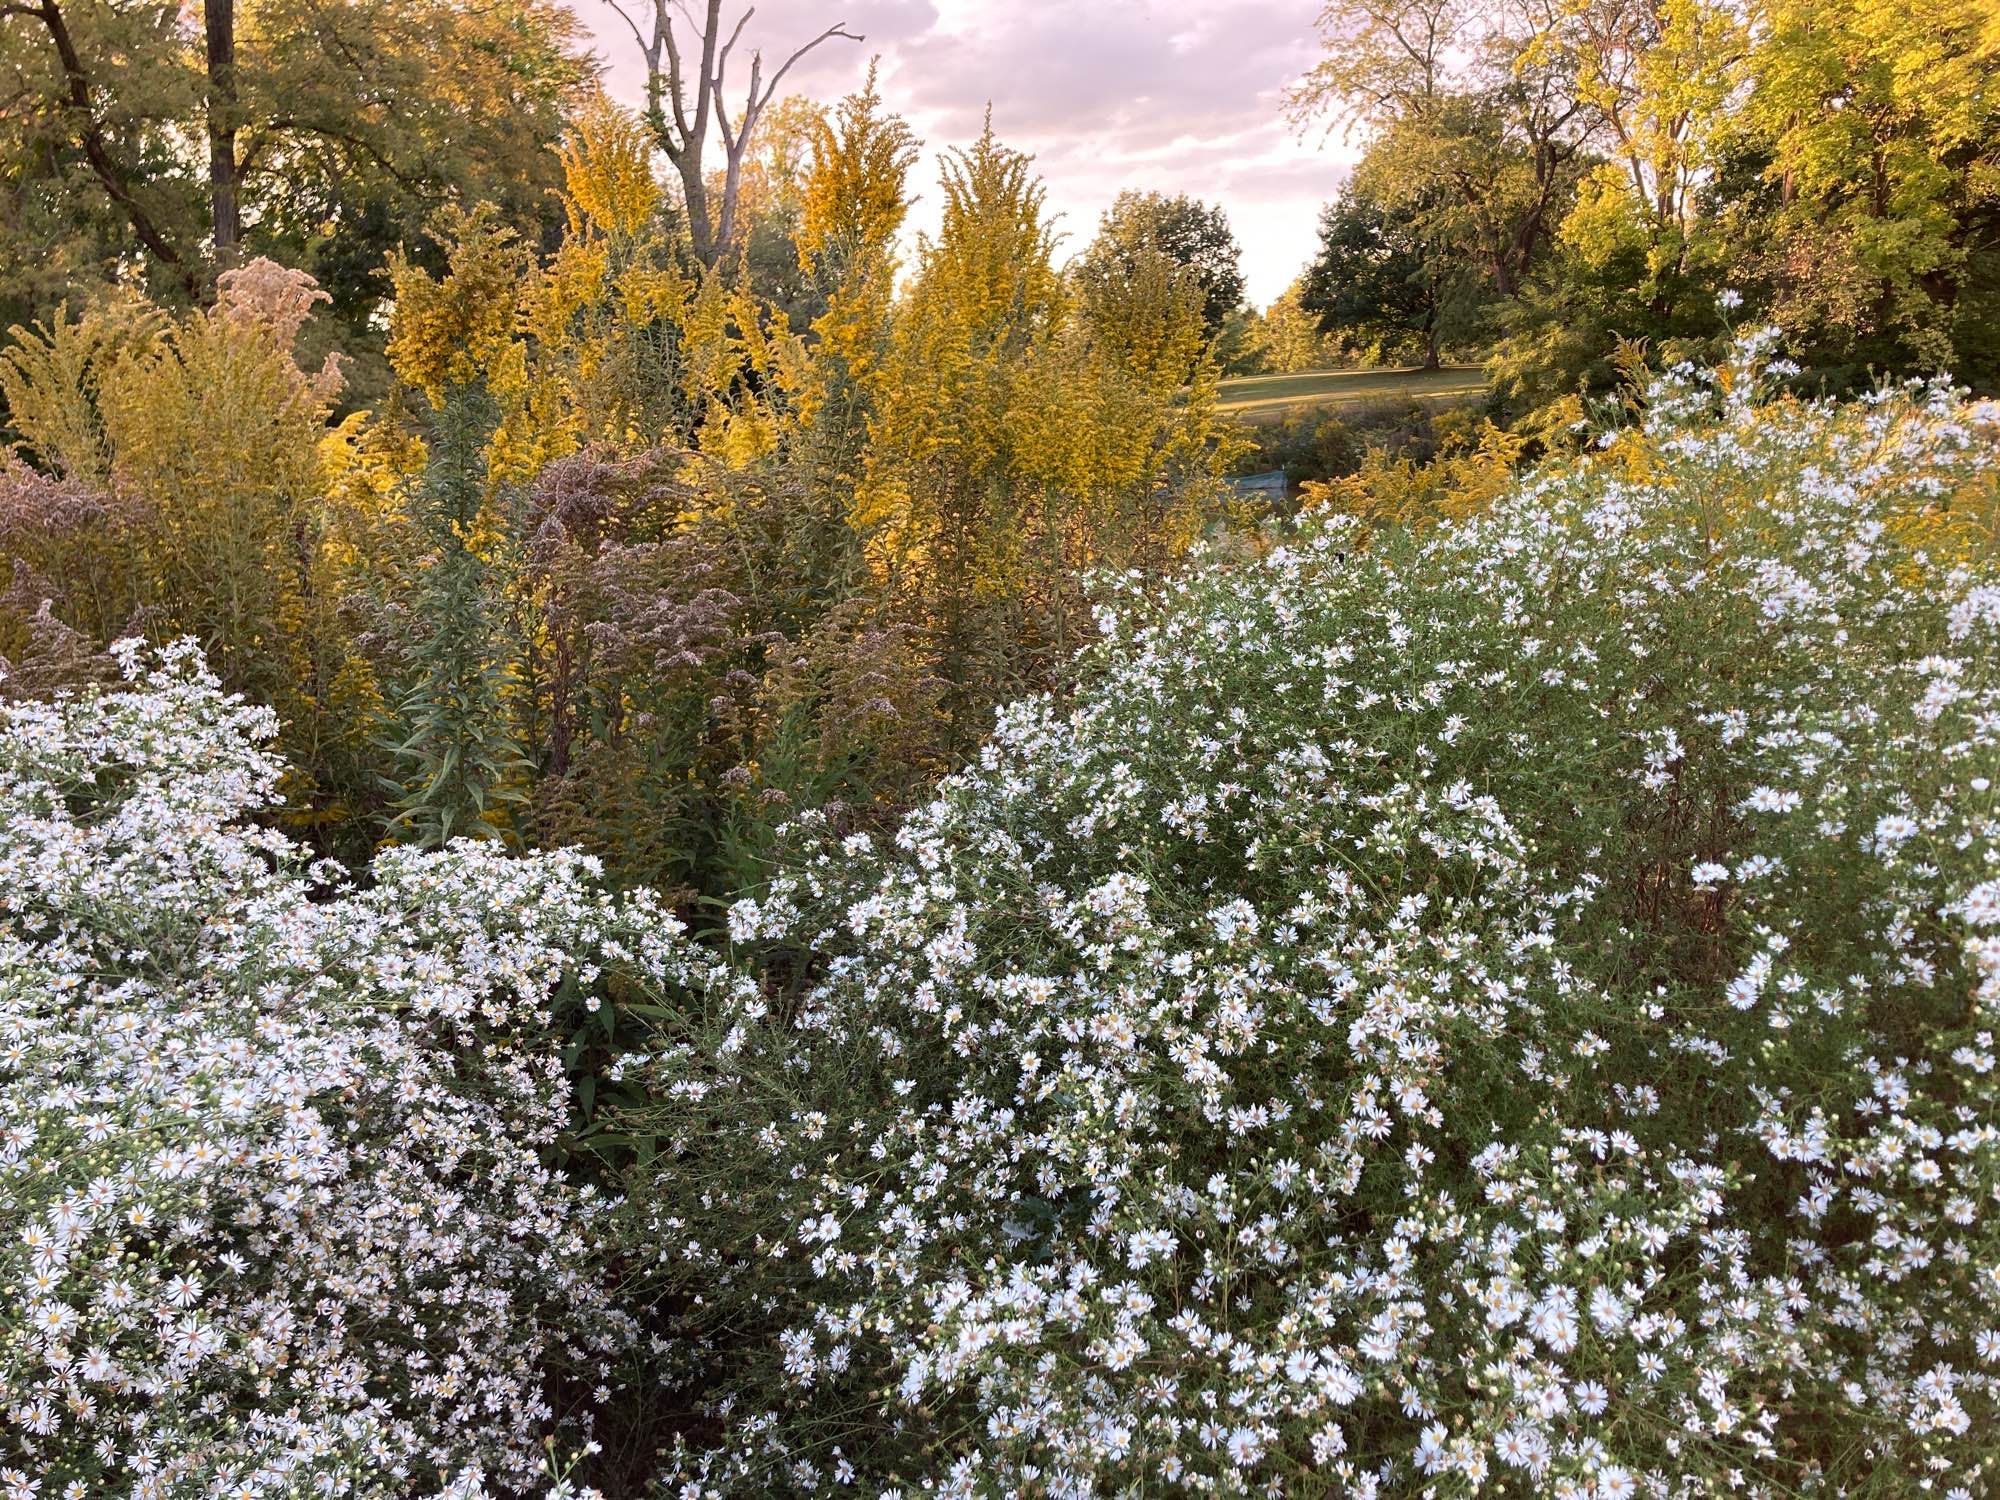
column 1176, row 95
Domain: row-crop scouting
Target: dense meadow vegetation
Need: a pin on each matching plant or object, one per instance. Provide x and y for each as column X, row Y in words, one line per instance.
column 656, row 842
column 1511, row 1003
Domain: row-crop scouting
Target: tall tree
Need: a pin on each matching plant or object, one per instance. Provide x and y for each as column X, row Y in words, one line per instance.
column 1285, row 338
column 1880, row 127
column 225, row 210
column 1384, row 274
column 330, row 130
column 686, row 96
column 1186, row 231
column 85, row 120
column 1465, row 96
column 1656, row 77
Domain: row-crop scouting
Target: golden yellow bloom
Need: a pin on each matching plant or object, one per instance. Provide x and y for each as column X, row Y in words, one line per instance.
column 608, row 172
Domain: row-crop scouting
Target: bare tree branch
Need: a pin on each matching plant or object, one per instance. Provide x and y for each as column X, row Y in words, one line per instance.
column 638, row 36
column 838, row 29
column 665, row 23
column 683, row 139
column 722, row 59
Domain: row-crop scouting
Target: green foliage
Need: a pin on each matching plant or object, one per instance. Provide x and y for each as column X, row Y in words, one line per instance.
column 1609, row 169
column 1311, row 443
column 1558, row 345
column 1189, row 233
column 1476, row 129
column 457, row 766
column 346, row 126
column 1383, row 276
column 1283, row 338
column 1879, row 127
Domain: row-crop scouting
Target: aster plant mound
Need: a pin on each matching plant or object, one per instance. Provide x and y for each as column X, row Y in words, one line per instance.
column 1506, row 1007
column 274, row 1185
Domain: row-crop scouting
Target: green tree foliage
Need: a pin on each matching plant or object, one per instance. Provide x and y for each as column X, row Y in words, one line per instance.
column 1186, row 231
column 330, row 133
column 1388, row 277
column 1472, row 120
column 1879, row 130
column 1282, row 339
column 1615, row 166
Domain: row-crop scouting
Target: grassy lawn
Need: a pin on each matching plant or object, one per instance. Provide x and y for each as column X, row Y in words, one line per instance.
column 1257, row 396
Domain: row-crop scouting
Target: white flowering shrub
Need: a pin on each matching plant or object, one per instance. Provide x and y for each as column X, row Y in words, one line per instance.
column 1511, row 1006
column 276, row 1213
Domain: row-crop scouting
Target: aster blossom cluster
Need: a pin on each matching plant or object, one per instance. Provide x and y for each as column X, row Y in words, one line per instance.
column 1509, row 1008
column 276, row 1213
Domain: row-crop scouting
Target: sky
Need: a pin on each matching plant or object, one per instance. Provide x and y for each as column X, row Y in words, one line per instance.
column 1181, row 96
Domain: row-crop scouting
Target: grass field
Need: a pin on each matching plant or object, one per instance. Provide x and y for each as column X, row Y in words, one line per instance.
column 1257, row 396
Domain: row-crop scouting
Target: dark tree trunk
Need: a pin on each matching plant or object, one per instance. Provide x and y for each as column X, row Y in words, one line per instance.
column 219, row 24
column 1521, row 254
column 695, row 192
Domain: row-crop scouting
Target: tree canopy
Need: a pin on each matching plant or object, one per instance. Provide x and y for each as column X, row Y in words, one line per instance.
column 1188, row 232
column 1613, row 167
column 330, row 133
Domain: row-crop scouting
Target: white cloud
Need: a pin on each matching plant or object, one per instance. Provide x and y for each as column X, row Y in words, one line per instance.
column 1174, row 95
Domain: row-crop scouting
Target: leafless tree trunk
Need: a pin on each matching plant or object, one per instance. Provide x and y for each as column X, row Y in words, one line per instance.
column 219, row 26
column 680, row 128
